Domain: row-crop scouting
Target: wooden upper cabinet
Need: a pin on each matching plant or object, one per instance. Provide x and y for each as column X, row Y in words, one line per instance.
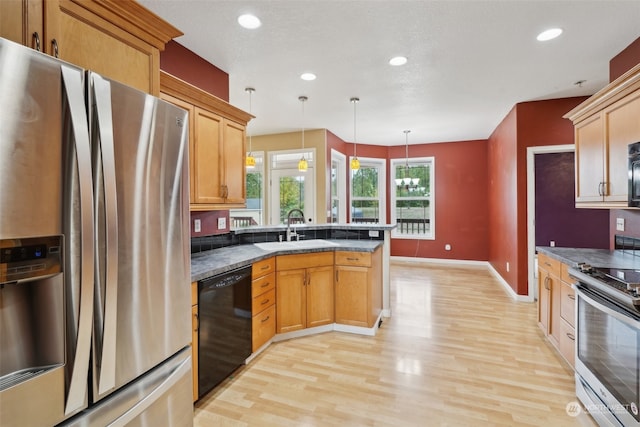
column 589, row 159
column 605, row 124
column 216, row 145
column 120, row 40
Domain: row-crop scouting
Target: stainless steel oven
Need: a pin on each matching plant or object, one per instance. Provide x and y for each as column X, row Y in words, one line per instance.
column 608, row 348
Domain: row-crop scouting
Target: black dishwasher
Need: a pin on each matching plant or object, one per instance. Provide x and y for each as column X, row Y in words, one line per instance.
column 224, row 333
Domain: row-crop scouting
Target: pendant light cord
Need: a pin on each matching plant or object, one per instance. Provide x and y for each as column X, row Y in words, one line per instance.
column 355, row 144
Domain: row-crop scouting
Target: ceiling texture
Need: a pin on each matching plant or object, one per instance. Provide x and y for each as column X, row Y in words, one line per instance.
column 469, row 62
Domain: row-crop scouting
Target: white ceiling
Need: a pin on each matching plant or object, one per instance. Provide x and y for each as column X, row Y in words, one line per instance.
column 469, row 63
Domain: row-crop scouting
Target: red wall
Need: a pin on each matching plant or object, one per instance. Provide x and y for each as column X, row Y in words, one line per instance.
column 461, row 216
column 186, row 65
column 625, row 60
column 503, row 200
column 528, row 124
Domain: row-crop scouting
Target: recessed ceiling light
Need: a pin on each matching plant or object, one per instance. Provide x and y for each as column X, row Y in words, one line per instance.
column 248, row 21
column 308, row 76
column 398, row 60
column 549, row 34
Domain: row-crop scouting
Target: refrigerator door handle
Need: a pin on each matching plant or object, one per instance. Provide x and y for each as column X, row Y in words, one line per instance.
column 77, row 386
column 107, row 357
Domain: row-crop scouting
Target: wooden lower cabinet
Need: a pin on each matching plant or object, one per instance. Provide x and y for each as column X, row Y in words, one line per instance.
column 195, row 326
column 263, row 309
column 556, row 305
column 358, row 287
column 304, row 291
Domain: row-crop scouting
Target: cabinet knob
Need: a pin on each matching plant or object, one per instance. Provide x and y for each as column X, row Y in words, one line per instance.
column 265, row 319
column 571, row 336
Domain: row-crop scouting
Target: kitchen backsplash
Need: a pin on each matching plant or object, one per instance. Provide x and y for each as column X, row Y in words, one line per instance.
column 207, row 243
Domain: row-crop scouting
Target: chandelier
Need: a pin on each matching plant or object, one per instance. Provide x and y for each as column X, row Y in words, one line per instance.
column 407, row 183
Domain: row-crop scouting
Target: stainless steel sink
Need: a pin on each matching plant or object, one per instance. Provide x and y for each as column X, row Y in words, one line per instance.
column 298, row 244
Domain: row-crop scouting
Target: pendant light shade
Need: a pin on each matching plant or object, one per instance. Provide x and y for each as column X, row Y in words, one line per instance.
column 303, row 165
column 250, row 161
column 355, row 163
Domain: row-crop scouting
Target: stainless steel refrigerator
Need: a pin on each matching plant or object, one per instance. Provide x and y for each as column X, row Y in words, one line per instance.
column 95, row 309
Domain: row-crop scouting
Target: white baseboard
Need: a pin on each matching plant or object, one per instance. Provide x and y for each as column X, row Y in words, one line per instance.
column 468, row 263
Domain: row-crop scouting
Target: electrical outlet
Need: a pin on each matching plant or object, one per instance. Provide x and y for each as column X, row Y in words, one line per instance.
column 447, row 247
column 507, row 266
column 552, row 243
column 222, row 223
column 620, row 224
column 197, row 226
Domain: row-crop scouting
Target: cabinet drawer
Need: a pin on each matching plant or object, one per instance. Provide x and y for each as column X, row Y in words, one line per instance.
column 362, row 259
column 263, row 327
column 261, row 268
column 567, row 303
column 564, row 274
column 549, row 264
column 567, row 342
column 260, row 302
column 307, row 260
column 263, row 284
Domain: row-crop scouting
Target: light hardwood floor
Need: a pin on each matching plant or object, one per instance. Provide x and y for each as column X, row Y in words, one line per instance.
column 457, row 351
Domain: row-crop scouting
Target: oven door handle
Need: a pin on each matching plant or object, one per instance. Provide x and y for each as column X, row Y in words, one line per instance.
column 602, row 304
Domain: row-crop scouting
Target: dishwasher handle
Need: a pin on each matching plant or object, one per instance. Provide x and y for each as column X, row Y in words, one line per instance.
column 225, row 279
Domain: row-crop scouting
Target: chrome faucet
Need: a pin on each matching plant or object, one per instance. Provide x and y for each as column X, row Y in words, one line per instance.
column 292, row 233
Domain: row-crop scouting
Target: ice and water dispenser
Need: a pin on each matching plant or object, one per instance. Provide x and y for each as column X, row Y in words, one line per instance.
column 32, row 317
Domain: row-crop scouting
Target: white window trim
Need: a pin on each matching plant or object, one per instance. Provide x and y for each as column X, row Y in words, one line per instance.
column 382, row 182
column 341, row 159
column 432, row 197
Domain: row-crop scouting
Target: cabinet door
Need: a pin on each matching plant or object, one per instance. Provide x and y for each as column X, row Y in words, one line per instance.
column 589, row 136
column 623, row 127
column 320, row 296
column 194, row 349
column 352, row 305
column 207, row 161
column 22, row 22
column 291, row 306
column 544, row 300
column 234, row 158
column 554, row 319
column 77, row 35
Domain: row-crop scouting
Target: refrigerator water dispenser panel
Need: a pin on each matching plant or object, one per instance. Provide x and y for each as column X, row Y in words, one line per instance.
column 29, row 259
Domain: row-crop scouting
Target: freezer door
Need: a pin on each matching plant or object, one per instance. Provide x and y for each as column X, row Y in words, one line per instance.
column 140, row 158
column 162, row 397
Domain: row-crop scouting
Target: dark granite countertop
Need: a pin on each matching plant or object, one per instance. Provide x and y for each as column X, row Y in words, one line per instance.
column 594, row 257
column 217, row 261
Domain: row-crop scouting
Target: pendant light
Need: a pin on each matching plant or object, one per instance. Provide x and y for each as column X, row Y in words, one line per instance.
column 250, row 161
column 303, row 165
column 355, row 163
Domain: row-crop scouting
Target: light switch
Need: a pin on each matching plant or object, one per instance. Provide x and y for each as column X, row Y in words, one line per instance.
column 620, row 224
column 197, row 226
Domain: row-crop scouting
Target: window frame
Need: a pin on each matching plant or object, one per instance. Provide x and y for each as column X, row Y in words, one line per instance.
column 415, row 161
column 381, row 165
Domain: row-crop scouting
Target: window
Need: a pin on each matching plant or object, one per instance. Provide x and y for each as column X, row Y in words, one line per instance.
column 338, row 193
column 290, row 188
column 254, row 212
column 412, row 197
column 367, row 192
